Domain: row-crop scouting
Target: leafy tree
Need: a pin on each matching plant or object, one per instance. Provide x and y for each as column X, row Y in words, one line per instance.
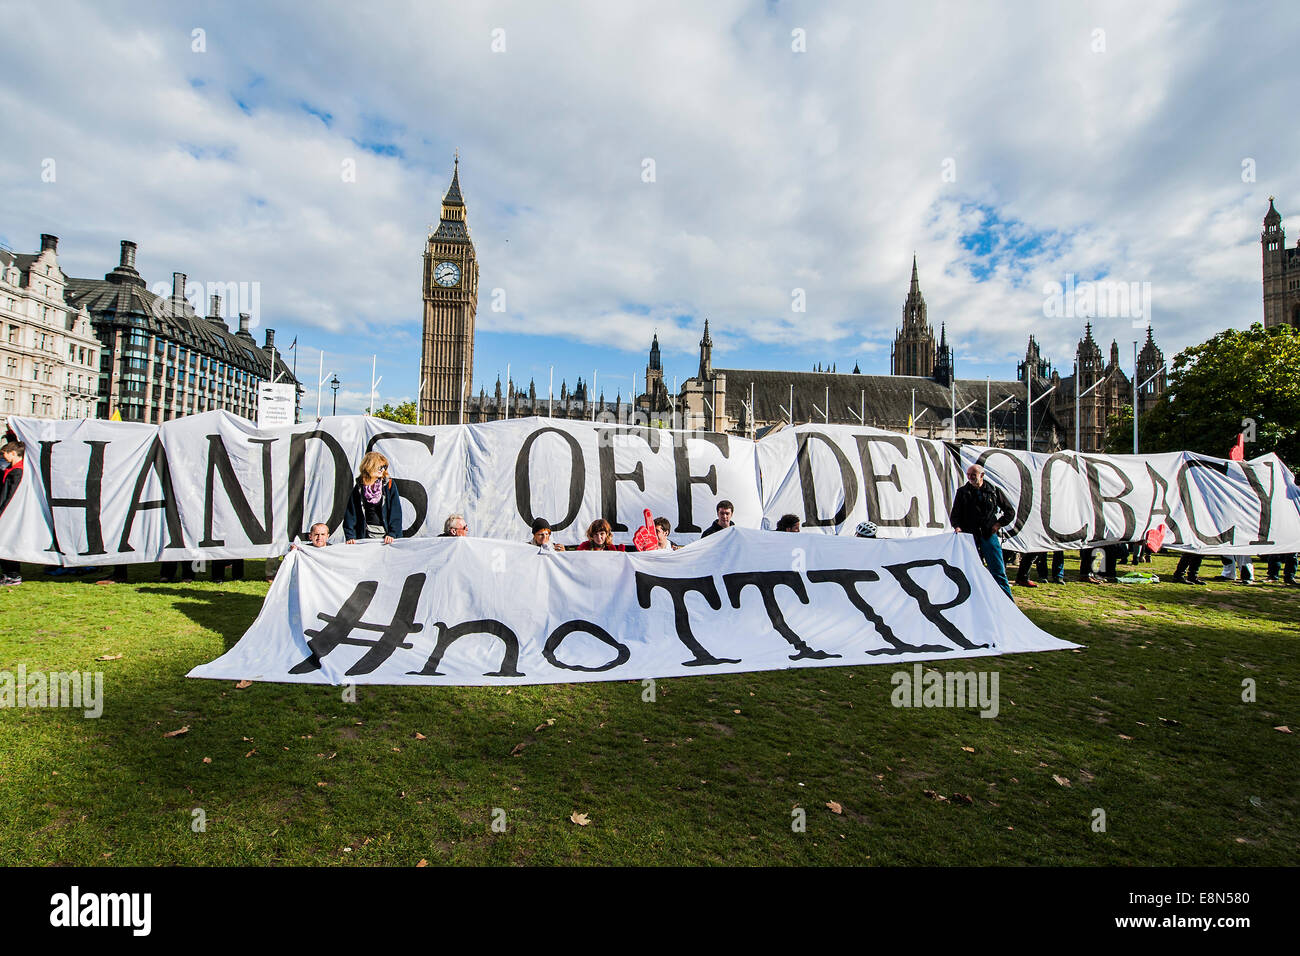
column 404, row 413
column 1218, row 389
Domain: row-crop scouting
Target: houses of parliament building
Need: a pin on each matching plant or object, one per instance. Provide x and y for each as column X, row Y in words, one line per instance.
column 918, row 397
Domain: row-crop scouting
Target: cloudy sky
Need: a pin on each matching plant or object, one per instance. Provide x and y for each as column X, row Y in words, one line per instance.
column 809, row 147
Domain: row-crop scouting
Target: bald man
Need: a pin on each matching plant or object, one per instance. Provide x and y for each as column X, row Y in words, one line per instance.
column 980, row 510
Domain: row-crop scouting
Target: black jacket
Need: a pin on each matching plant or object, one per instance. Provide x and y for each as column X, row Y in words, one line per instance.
column 390, row 510
column 976, row 510
column 714, row 529
column 12, row 476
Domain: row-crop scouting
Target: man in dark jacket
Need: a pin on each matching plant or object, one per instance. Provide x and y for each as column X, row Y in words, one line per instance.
column 982, row 511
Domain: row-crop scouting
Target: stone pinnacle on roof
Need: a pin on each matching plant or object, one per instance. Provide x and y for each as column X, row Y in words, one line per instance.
column 453, row 197
column 916, row 283
column 1272, row 217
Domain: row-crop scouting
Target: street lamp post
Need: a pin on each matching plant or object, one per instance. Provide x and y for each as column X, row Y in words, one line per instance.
column 334, row 384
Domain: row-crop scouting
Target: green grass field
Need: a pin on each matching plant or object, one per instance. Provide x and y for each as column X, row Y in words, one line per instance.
column 1147, row 724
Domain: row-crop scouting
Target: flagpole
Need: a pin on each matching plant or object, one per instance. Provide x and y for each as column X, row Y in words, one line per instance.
column 507, row 391
column 295, row 378
column 550, row 395
column 320, row 381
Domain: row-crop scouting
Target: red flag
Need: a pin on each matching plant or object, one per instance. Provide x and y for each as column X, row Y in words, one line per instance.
column 1238, row 452
column 645, row 538
column 1155, row 538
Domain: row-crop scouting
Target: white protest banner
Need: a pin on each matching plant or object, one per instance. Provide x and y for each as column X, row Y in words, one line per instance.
column 834, row 476
column 214, row 486
column 462, row 611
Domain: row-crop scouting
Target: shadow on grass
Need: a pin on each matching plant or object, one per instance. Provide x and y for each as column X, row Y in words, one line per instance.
column 228, row 613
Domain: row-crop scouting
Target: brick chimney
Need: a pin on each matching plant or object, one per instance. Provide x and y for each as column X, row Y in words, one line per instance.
column 49, row 242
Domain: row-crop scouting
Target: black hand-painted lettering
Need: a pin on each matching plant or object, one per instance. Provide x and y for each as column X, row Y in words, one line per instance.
column 609, row 478
column 298, row 524
column 677, row 589
column 219, row 463
column 930, row 611
column 91, row 504
column 558, row 635
column 872, row 478
column 154, row 461
column 449, row 635
column 339, row 627
column 523, row 486
column 767, row 582
column 849, row 579
column 408, row 488
column 682, row 469
column 848, row 482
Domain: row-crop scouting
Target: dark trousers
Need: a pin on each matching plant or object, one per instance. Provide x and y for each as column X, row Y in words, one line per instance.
column 171, row 568
column 1028, row 560
column 236, row 570
column 1189, row 565
column 9, row 568
column 1284, row 562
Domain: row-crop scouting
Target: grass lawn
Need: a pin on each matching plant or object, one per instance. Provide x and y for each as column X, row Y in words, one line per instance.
column 1147, row 723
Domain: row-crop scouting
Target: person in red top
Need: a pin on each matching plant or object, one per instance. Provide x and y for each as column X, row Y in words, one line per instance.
column 598, row 538
column 13, row 474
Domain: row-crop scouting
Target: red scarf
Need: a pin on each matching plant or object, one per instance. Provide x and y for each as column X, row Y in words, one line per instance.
column 16, row 466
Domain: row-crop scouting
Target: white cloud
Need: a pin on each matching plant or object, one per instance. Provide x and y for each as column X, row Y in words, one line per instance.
column 775, row 170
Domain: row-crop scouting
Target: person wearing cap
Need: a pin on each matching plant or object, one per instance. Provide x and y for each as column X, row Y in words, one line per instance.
column 542, row 536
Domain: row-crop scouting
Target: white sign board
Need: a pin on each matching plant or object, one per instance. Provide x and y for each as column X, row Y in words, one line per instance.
column 275, row 405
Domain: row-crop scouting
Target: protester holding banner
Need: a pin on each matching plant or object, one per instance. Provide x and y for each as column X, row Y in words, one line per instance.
column 662, row 527
column 598, row 538
column 865, row 529
column 1286, row 563
column 13, row 451
column 454, row 527
column 788, row 523
column 725, row 511
column 981, row 510
column 542, row 536
column 374, row 508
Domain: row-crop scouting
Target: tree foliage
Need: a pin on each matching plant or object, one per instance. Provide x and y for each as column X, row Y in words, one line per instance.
column 1238, row 381
column 404, row 413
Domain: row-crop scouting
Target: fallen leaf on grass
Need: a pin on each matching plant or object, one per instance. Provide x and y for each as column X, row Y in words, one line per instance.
column 1063, row 781
column 549, row 722
column 1284, row 729
column 581, row 819
column 423, row 862
column 321, row 783
column 519, row 748
column 935, row 795
column 207, row 760
column 962, row 798
column 1125, row 737
column 243, row 683
column 251, row 752
column 109, row 657
column 177, row 733
column 969, row 750
column 834, row 807
column 420, row 736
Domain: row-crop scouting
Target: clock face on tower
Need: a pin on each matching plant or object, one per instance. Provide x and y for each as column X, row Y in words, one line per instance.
column 446, row 274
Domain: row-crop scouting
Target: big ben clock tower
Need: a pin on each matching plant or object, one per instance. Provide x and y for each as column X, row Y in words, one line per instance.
column 450, row 301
